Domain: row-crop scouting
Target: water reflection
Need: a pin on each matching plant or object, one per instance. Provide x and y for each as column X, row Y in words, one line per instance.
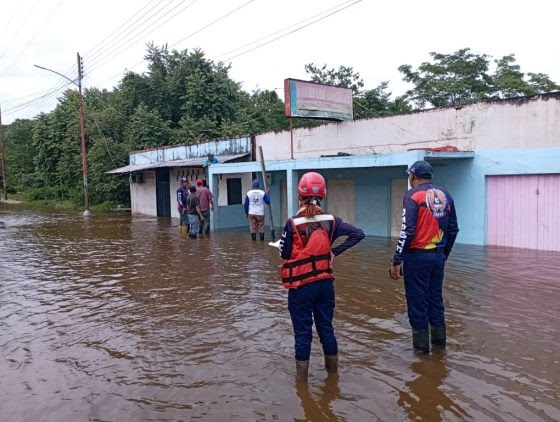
column 424, row 397
column 317, row 403
column 120, row 318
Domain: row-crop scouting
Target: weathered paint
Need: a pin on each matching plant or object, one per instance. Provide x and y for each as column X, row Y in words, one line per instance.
column 233, row 146
column 466, row 181
column 515, row 123
column 522, row 211
column 143, row 195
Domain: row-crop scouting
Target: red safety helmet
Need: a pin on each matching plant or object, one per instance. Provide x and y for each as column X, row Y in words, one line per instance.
column 199, row 182
column 312, row 184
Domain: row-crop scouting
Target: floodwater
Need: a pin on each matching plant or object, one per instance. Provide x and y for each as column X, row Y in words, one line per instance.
column 115, row 318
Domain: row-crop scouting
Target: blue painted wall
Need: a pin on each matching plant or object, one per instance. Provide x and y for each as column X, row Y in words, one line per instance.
column 372, row 193
column 465, row 179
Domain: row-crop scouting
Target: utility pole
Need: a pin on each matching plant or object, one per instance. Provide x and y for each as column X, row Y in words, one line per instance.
column 83, row 130
column 82, row 124
column 3, row 158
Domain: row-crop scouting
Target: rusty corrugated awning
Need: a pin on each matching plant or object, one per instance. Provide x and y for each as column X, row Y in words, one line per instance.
column 190, row 162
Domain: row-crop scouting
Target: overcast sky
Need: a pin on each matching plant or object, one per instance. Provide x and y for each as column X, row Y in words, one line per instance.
column 374, row 37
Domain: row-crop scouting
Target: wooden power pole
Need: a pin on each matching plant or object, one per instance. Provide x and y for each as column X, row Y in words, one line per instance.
column 83, row 132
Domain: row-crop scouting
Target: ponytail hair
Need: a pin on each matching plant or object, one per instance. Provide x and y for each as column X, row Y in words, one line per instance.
column 311, row 205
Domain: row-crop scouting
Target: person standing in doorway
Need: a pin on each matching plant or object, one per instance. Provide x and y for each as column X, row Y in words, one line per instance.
column 306, row 247
column 429, row 230
column 194, row 212
column 254, row 209
column 206, row 201
column 182, row 195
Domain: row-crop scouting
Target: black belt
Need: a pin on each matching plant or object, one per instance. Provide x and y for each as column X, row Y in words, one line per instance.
column 433, row 250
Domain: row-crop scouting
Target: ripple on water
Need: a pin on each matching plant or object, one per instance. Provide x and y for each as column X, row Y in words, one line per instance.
column 121, row 318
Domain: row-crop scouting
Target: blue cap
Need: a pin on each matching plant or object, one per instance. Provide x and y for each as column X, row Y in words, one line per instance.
column 256, row 184
column 421, row 169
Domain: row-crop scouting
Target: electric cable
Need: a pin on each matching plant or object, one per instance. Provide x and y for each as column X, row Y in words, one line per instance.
column 32, row 38
column 293, row 31
column 96, row 63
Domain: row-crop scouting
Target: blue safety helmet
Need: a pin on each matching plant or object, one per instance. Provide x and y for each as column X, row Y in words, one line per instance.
column 256, row 184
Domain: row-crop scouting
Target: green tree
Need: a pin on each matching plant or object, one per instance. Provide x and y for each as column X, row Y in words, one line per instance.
column 374, row 102
column 377, row 102
column 464, row 77
column 19, row 152
column 450, row 79
column 343, row 76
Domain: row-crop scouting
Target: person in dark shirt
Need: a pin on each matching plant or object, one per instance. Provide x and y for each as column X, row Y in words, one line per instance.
column 194, row 213
column 182, row 195
column 306, row 247
column 429, row 229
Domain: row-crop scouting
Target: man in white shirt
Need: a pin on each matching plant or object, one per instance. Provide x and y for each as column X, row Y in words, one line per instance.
column 254, row 209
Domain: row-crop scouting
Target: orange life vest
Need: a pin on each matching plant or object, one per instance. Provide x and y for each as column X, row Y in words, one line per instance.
column 311, row 251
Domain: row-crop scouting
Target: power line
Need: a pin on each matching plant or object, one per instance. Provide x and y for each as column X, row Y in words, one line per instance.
column 131, row 28
column 17, row 3
column 129, row 42
column 28, row 103
column 100, row 43
column 294, row 30
column 19, row 28
column 32, row 38
column 213, row 22
column 202, row 28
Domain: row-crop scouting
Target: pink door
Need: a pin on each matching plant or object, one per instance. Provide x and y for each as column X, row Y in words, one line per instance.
column 523, row 211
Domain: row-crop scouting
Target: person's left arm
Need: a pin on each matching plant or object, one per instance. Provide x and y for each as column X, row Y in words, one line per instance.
column 211, row 200
column 452, row 230
column 353, row 235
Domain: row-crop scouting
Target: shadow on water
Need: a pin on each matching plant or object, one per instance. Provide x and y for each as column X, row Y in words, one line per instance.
column 120, row 318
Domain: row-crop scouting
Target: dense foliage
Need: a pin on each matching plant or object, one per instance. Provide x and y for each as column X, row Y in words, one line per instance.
column 184, row 97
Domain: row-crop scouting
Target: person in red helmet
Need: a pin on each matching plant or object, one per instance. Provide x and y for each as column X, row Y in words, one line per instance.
column 306, row 248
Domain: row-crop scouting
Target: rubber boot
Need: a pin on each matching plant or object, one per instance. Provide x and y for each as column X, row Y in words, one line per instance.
column 261, row 235
column 421, row 340
column 331, row 363
column 302, row 369
column 438, row 336
column 183, row 229
column 254, row 236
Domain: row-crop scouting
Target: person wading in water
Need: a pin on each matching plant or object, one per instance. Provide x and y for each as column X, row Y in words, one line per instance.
column 254, row 209
column 307, row 271
column 429, row 229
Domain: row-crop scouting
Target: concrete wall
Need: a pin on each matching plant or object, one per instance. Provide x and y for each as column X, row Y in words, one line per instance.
column 372, row 193
column 466, row 182
column 246, row 183
column 143, row 195
column 228, row 216
column 518, row 123
column 231, row 146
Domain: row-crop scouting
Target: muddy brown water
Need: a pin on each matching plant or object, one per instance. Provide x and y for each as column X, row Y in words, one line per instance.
column 115, row 318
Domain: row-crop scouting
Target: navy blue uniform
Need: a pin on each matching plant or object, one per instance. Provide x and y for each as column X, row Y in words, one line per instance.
column 182, row 195
column 315, row 301
column 429, row 230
